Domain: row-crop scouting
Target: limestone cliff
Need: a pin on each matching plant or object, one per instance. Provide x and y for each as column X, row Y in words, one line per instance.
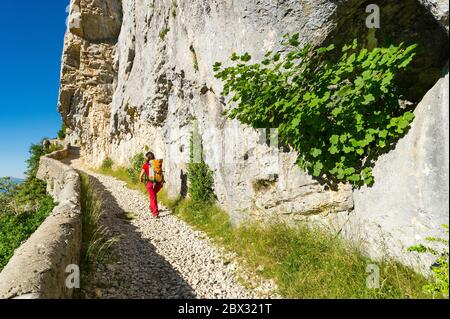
column 136, row 72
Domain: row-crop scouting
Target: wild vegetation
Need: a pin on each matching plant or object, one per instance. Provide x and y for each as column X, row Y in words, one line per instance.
column 62, row 132
column 96, row 239
column 438, row 247
column 107, row 163
column 129, row 174
column 339, row 114
column 200, row 176
column 305, row 262
column 163, row 33
column 23, row 207
column 135, row 167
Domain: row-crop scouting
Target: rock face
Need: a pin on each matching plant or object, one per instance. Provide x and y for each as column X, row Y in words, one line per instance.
column 410, row 198
column 142, row 87
column 137, row 72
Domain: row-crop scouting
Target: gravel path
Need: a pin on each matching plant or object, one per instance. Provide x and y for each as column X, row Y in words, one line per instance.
column 157, row 258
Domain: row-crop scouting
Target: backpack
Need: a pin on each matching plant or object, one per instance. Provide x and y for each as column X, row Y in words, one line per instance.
column 156, row 174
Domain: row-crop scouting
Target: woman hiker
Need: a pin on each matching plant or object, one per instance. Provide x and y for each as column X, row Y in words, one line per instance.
column 152, row 187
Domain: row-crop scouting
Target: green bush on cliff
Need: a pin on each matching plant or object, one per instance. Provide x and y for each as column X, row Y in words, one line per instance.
column 338, row 114
column 200, row 176
column 62, row 132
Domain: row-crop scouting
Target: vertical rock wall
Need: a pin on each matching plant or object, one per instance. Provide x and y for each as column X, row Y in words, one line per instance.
column 137, row 72
column 410, row 199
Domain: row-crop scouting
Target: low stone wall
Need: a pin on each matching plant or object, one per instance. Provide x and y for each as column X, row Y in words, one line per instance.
column 38, row 268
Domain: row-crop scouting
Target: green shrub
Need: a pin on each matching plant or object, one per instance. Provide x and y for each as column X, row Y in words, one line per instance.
column 107, row 164
column 36, row 151
column 30, row 192
column 6, row 186
column 16, row 228
column 135, row 168
column 174, row 8
column 200, row 176
column 440, row 268
column 339, row 115
column 23, row 207
column 6, row 191
column 62, row 132
column 163, row 33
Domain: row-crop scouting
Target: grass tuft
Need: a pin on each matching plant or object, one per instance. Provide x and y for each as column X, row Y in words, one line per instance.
column 107, row 163
column 96, row 239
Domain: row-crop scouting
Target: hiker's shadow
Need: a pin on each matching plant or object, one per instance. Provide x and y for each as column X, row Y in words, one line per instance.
column 142, row 272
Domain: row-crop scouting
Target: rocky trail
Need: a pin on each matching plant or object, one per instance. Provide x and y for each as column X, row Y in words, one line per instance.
column 157, row 258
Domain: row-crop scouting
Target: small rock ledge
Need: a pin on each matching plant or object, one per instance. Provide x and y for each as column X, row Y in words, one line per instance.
column 38, row 268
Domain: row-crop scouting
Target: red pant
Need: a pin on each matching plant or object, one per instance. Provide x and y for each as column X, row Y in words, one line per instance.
column 153, row 192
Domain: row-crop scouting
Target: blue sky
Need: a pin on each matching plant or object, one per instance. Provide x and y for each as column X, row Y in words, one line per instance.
column 31, row 37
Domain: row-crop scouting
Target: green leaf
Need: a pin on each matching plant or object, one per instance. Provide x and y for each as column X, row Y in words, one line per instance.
column 359, row 82
column 334, row 139
column 294, row 40
column 383, row 134
column 348, row 149
column 318, row 169
column 315, row 152
column 314, row 102
column 349, row 171
column 217, row 66
column 351, row 58
column 333, row 149
column 354, row 178
column 246, row 57
column 369, row 98
column 277, row 57
column 288, row 65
